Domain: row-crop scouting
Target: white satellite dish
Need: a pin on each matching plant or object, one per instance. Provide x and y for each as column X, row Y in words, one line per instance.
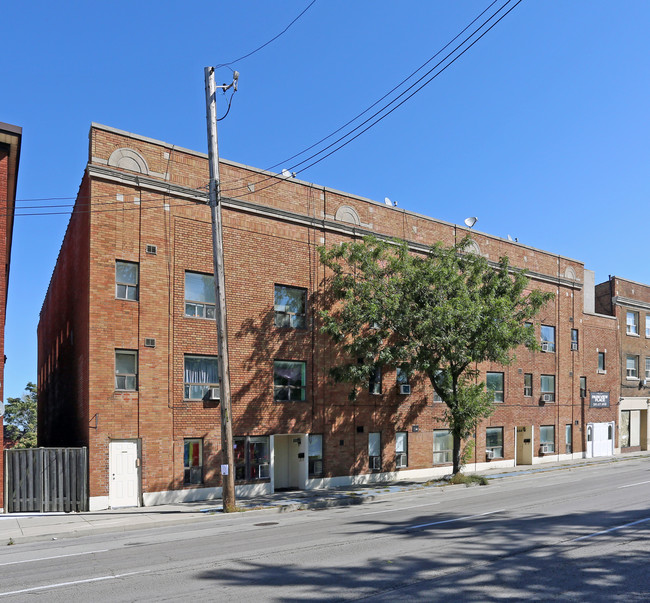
column 286, row 173
column 387, row 201
column 471, row 221
column 509, row 238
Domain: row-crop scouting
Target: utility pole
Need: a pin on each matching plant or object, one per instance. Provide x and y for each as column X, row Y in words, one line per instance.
column 227, row 467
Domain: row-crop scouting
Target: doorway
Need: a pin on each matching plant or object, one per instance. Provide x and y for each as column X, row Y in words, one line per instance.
column 124, row 474
column 524, row 452
column 289, row 462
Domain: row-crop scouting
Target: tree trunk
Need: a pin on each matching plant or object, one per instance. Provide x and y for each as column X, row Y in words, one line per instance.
column 457, row 460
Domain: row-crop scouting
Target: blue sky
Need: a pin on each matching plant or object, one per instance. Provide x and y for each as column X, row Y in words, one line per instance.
column 541, row 129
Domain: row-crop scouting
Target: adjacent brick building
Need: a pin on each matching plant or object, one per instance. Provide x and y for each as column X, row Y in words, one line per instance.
column 127, row 340
column 10, row 141
column 629, row 303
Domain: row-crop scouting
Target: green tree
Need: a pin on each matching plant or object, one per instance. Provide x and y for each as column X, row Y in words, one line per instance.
column 20, row 417
column 438, row 314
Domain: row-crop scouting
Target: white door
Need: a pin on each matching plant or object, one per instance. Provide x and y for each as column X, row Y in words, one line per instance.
column 600, row 439
column 124, row 478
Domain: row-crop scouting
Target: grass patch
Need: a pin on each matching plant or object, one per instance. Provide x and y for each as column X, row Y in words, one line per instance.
column 469, row 480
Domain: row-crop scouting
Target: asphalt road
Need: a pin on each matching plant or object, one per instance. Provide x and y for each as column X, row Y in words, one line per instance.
column 579, row 534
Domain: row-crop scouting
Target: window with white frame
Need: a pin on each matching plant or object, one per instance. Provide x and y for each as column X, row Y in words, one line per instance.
column 547, row 438
column 289, row 306
column 647, row 325
column 568, row 438
column 528, row 384
column 126, row 280
column 402, row 376
column 289, row 380
column 251, row 456
column 199, row 295
column 193, row 461
column 583, row 387
column 632, row 323
column 547, row 388
column 632, row 367
column 601, row 362
column 443, row 446
column 374, row 381
column 126, row 370
column 548, row 338
column 439, row 379
column 494, row 383
column 494, row 441
column 201, row 373
column 401, row 449
column 574, row 339
column 315, row 455
column 647, row 367
column 374, row 450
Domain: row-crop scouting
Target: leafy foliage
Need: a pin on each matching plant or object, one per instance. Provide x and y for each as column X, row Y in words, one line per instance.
column 20, row 417
column 439, row 314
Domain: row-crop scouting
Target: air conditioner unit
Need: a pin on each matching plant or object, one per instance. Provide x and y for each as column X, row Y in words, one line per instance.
column 149, row 342
column 400, row 461
column 375, row 462
column 544, row 449
column 547, row 397
column 545, row 347
column 489, row 454
column 212, row 394
column 405, row 389
column 574, row 346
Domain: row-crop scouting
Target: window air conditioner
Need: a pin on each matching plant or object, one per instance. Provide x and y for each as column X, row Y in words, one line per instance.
column 489, row 454
column 400, row 461
column 405, row 389
column 547, row 397
column 544, row 449
column 375, row 462
column 212, row 394
column 545, row 347
column 149, row 342
column 574, row 346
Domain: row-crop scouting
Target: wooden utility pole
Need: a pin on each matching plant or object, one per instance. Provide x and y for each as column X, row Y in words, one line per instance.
column 227, row 467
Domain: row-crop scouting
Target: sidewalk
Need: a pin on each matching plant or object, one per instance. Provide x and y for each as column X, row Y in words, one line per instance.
column 29, row 527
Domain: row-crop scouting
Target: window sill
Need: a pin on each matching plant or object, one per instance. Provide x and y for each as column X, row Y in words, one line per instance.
column 126, row 391
column 127, row 300
column 198, row 318
column 601, row 371
column 631, row 378
column 633, row 334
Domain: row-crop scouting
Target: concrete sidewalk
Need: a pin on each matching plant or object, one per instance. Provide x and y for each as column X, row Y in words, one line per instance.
column 29, row 527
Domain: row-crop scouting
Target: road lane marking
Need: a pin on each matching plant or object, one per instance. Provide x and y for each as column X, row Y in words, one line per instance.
column 55, row 557
column 60, row 584
column 637, row 484
column 436, row 523
column 400, row 508
column 627, row 525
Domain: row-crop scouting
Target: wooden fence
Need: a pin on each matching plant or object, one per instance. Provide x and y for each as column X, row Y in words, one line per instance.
column 46, row 479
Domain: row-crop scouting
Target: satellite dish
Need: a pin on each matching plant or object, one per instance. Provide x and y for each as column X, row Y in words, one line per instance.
column 471, row 221
column 509, row 238
column 286, row 173
column 387, row 201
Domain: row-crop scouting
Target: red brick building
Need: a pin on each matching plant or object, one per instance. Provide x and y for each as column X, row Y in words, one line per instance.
column 629, row 303
column 127, row 340
column 10, row 141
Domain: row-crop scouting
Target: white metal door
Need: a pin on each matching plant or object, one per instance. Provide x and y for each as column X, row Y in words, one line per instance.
column 124, row 479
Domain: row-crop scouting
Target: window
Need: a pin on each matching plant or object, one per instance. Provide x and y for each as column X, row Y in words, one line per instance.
column 439, row 378
column 547, row 383
column 251, row 458
column 126, row 370
column 583, row 387
column 568, row 438
column 126, row 280
column 528, row 384
column 199, row 295
column 315, row 455
column 601, row 362
column 548, row 338
column 647, row 368
column 290, row 307
column 547, row 438
column 201, row 373
column 193, row 461
column 289, row 380
column 494, row 383
column 632, row 323
column 574, row 339
column 443, row 446
column 374, row 450
column 647, row 325
column 402, row 377
column 374, row 383
column 401, row 449
column 632, row 367
column 494, row 441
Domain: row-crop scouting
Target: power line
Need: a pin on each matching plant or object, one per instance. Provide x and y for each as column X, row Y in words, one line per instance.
column 269, row 42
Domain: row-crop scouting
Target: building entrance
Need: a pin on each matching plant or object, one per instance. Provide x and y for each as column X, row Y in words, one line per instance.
column 290, row 462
